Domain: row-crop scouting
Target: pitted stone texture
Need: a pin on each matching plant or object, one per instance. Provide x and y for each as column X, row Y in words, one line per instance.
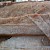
column 22, row 42
column 10, row 29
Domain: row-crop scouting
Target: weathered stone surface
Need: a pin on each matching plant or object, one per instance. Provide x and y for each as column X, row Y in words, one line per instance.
column 15, row 19
column 34, row 48
column 22, row 42
column 13, row 29
column 25, row 42
column 25, row 8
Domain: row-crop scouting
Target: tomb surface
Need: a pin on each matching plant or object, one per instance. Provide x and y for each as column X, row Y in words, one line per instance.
column 25, row 26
